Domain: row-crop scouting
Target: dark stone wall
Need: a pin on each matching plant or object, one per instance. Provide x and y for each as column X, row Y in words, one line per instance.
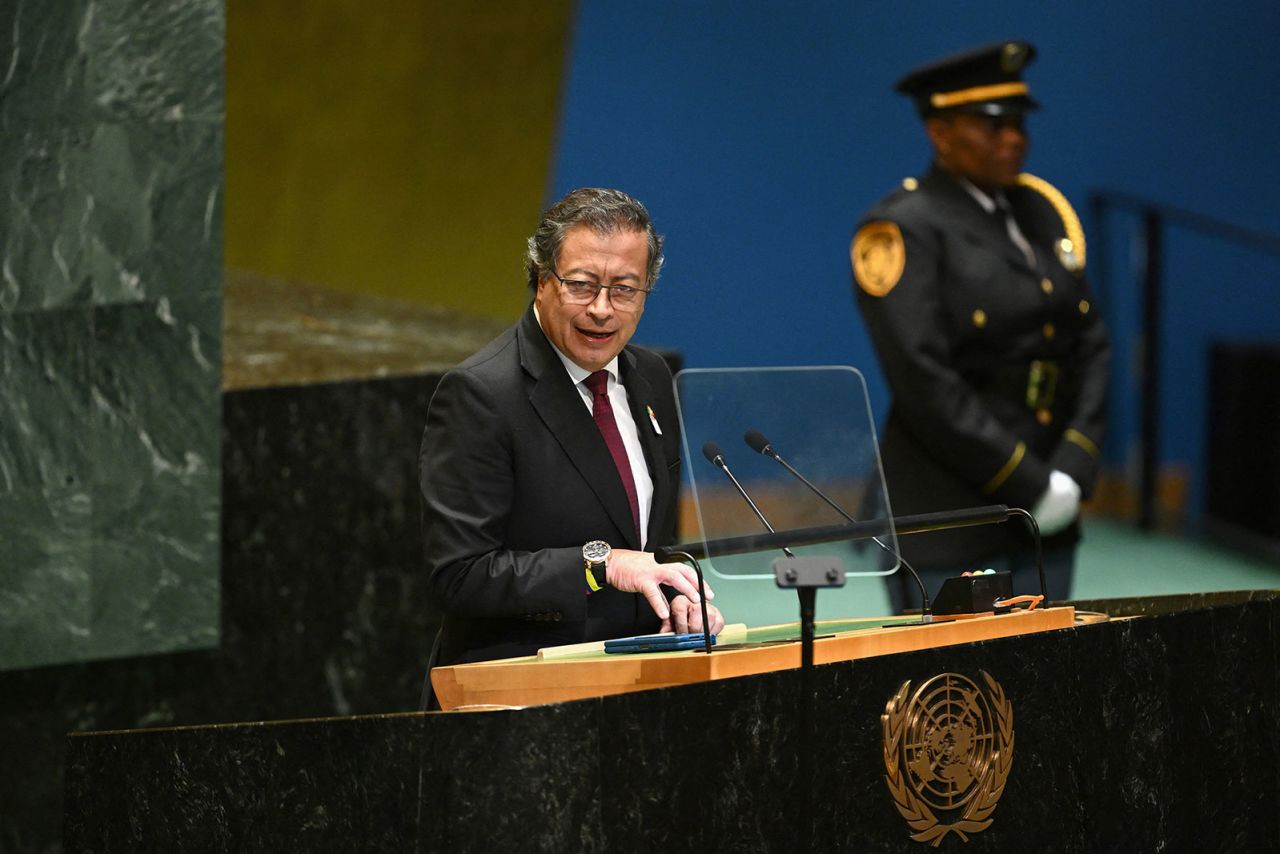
column 324, row 612
column 1157, row 733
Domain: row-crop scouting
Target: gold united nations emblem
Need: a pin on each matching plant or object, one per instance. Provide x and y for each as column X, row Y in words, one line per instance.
column 948, row 750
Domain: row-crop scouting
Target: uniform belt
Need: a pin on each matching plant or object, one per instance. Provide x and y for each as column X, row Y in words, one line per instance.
column 1042, row 384
column 1035, row 383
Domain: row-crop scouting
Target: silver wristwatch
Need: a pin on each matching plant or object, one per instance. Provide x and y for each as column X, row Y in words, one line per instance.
column 595, row 555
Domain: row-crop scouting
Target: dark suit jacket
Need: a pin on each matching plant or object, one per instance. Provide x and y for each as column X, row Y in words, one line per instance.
column 515, row 477
column 957, row 337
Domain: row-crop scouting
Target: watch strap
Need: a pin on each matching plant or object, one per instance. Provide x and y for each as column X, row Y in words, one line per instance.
column 593, row 584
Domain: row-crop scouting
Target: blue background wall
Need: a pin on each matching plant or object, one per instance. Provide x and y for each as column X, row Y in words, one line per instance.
column 757, row 133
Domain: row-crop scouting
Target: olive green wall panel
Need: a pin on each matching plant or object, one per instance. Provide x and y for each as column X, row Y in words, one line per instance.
column 399, row 149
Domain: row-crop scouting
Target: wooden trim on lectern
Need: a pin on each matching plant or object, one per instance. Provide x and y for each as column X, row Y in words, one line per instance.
column 521, row 682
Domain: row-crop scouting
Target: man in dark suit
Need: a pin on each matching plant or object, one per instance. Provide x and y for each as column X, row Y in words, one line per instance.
column 551, row 458
column 971, row 283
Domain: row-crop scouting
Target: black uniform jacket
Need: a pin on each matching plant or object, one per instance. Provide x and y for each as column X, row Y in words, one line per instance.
column 997, row 367
column 515, row 477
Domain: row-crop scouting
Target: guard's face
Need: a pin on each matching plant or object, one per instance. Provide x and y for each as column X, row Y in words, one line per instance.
column 987, row 150
column 592, row 334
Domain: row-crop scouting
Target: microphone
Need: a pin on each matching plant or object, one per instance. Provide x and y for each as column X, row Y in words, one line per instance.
column 757, row 442
column 715, row 456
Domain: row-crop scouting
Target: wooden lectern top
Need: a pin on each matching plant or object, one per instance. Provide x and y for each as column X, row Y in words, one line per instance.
column 533, row 681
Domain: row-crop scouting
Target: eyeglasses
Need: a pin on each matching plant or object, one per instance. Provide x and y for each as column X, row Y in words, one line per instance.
column 623, row 297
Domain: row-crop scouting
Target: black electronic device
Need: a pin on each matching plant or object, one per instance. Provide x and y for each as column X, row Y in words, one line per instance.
column 973, row 594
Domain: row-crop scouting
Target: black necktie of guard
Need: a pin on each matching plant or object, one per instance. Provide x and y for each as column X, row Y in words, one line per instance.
column 1004, row 215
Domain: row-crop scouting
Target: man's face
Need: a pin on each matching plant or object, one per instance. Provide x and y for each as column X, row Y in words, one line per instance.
column 591, row 335
column 987, row 150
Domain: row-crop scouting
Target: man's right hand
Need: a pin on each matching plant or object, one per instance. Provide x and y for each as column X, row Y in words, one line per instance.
column 638, row 572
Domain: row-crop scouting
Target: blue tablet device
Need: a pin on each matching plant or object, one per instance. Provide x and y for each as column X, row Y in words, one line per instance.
column 657, row 643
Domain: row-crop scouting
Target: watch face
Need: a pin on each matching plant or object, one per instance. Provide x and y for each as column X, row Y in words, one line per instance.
column 596, row 551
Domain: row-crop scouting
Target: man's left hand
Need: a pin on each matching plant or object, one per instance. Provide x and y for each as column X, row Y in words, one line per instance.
column 686, row 617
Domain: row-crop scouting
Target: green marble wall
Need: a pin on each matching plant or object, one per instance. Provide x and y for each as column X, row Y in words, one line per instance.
column 111, row 137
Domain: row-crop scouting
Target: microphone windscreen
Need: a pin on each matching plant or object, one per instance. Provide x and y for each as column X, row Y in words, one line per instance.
column 711, row 451
column 755, row 441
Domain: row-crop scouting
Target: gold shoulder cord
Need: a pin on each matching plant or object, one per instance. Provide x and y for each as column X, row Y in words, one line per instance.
column 1070, row 222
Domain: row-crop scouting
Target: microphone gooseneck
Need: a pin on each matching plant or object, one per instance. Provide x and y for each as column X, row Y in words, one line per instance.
column 715, row 456
column 757, row 442
column 1035, row 533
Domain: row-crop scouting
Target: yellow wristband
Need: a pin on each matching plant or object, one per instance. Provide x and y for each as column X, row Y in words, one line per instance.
column 591, row 580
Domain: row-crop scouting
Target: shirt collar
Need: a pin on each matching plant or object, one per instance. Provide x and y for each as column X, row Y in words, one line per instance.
column 988, row 203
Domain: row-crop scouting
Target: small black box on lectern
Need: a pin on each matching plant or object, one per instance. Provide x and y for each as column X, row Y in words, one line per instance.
column 973, row 594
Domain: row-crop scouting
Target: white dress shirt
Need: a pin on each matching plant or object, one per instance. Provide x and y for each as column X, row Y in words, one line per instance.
column 626, row 427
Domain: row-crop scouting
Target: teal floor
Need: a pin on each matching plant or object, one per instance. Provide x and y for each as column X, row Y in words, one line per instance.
column 1115, row 560
column 1120, row 560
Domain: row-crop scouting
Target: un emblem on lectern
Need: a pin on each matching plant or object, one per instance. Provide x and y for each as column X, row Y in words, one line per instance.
column 948, row 749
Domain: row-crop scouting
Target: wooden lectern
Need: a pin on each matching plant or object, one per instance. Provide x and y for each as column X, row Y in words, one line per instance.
column 533, row 680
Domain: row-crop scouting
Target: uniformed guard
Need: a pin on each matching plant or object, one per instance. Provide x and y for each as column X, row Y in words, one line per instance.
column 970, row 280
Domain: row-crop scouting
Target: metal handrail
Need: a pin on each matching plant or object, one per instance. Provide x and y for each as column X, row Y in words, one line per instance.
column 1101, row 199
column 1154, row 215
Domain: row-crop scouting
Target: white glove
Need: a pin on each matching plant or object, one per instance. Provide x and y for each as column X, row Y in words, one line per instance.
column 1060, row 504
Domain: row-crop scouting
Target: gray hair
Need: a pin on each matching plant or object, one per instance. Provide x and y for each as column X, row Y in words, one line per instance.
column 604, row 211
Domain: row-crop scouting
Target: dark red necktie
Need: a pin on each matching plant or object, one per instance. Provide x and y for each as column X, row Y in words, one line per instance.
column 602, row 412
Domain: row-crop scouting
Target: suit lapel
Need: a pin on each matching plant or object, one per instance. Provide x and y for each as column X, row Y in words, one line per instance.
column 559, row 405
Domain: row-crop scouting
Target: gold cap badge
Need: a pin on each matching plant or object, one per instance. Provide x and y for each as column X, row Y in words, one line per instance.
column 1013, row 56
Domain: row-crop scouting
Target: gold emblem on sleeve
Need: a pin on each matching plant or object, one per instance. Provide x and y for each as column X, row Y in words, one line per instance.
column 948, row 750
column 879, row 257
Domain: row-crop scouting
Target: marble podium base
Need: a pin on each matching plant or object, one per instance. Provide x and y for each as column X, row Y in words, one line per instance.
column 1155, row 733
